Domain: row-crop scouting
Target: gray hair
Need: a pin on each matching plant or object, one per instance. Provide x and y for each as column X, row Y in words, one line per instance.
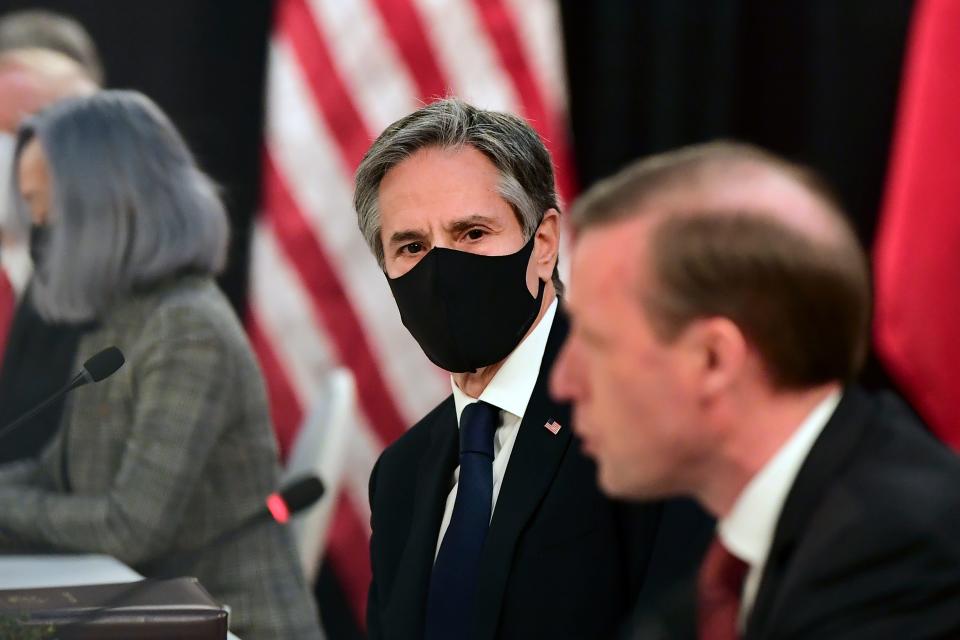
column 37, row 28
column 526, row 170
column 129, row 207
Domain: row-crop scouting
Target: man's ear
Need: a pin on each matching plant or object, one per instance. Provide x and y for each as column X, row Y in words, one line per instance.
column 547, row 244
column 717, row 354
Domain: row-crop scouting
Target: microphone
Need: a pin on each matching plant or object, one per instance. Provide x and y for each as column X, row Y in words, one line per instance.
column 294, row 498
column 98, row 367
column 279, row 506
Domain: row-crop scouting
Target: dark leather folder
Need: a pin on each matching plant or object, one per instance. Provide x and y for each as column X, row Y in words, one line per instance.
column 149, row 609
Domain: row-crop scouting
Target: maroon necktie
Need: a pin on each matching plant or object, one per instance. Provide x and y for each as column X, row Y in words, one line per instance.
column 719, row 586
column 8, row 303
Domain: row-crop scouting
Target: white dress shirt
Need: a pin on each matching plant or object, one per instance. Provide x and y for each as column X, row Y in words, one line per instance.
column 510, row 391
column 747, row 531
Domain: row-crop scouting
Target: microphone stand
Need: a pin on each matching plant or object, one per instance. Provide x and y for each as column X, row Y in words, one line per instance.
column 78, row 381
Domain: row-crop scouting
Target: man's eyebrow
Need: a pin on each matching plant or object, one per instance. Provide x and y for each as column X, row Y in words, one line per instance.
column 407, row 235
column 463, row 224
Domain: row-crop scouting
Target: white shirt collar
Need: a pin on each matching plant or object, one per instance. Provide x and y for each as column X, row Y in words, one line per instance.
column 511, row 387
column 747, row 530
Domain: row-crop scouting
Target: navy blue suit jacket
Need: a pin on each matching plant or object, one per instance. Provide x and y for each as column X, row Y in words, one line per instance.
column 560, row 559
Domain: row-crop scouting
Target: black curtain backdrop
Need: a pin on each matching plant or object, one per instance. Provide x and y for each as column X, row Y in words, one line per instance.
column 815, row 80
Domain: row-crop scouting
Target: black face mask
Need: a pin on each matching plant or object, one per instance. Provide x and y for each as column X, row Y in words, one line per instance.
column 467, row 311
column 39, row 244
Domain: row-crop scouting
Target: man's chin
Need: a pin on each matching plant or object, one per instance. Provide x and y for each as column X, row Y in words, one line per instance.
column 624, row 488
column 611, row 484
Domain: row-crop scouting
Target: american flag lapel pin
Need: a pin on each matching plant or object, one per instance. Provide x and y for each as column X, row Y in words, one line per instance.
column 552, row 426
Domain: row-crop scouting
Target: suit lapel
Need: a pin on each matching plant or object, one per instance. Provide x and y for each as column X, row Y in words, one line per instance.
column 828, row 456
column 404, row 613
column 533, row 463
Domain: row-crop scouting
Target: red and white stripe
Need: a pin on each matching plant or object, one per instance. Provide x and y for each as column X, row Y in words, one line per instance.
column 338, row 73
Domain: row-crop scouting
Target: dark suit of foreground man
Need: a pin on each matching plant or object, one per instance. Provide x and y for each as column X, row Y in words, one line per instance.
column 487, row 521
column 720, row 311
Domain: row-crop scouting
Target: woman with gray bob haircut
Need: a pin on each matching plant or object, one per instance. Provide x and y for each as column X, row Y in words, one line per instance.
column 131, row 215
column 176, row 448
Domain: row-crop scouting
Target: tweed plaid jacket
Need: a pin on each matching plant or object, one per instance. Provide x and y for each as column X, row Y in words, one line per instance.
column 172, row 450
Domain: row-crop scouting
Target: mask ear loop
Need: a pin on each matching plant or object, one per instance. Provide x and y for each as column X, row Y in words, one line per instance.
column 38, row 242
column 538, row 303
column 532, row 241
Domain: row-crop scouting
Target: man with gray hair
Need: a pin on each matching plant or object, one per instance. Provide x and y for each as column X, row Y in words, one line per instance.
column 44, row 57
column 486, row 518
column 720, row 315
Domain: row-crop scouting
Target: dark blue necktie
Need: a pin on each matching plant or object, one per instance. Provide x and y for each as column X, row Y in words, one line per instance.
column 453, row 582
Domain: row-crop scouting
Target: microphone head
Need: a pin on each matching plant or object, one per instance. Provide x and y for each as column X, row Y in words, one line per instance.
column 294, row 498
column 104, row 364
column 302, row 493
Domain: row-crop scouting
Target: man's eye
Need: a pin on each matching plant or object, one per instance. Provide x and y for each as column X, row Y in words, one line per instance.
column 475, row 234
column 412, row 248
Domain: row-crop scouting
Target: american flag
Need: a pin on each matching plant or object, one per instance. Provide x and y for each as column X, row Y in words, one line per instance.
column 339, row 71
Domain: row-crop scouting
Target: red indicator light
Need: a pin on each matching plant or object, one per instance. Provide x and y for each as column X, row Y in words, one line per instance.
column 278, row 508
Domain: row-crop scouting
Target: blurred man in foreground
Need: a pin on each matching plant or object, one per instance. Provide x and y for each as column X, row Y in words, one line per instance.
column 720, row 312
column 487, row 521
